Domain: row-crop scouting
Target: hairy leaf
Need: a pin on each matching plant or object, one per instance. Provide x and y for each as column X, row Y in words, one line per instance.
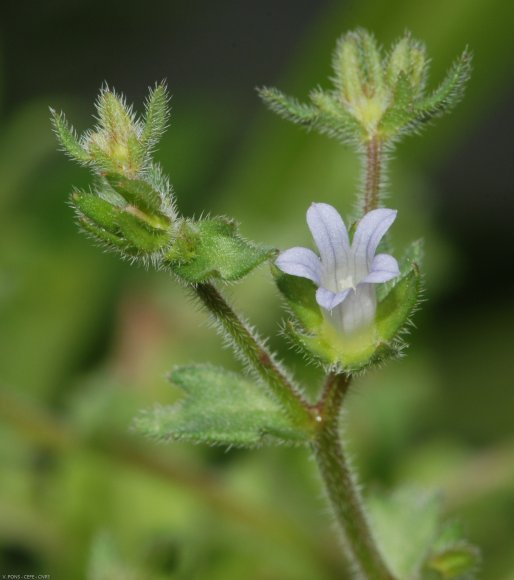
column 214, row 249
column 406, row 525
column 219, row 407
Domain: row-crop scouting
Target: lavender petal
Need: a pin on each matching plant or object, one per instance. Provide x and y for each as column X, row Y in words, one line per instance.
column 328, row 299
column 300, row 262
column 383, row 268
column 331, row 238
column 369, row 233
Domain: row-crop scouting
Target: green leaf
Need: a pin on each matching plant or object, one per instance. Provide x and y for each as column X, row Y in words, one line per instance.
column 405, row 525
column 214, row 249
column 220, row 408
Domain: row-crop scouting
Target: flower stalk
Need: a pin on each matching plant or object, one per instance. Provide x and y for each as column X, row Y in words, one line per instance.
column 374, row 164
column 340, row 484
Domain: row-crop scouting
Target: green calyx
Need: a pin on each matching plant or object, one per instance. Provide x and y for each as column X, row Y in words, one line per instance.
column 121, row 143
column 375, row 95
column 129, row 215
column 315, row 337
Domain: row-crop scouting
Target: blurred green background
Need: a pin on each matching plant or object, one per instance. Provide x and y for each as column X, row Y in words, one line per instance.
column 85, row 340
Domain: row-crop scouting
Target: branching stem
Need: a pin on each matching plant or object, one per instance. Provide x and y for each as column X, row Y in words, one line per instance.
column 340, row 483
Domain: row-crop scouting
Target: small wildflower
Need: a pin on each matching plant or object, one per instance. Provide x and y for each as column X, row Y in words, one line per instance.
column 344, row 273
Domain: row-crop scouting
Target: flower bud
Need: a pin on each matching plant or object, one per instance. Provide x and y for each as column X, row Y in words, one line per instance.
column 360, row 79
column 116, row 143
column 408, row 57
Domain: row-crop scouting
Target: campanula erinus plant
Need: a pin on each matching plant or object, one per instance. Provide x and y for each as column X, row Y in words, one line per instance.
column 349, row 302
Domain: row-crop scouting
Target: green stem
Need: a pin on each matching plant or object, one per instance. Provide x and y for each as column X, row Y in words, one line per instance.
column 373, row 174
column 340, row 483
column 248, row 344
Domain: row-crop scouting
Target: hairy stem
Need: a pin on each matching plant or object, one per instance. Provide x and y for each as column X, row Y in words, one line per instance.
column 374, row 174
column 248, row 344
column 340, row 483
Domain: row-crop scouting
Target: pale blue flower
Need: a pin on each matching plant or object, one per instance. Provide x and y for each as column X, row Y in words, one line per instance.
column 345, row 273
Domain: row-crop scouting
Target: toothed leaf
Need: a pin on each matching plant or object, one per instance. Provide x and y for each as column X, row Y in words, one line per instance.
column 214, row 249
column 405, row 526
column 220, row 408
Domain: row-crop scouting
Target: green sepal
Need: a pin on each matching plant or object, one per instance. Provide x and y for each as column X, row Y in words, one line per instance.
column 288, row 107
column 157, row 115
column 124, row 228
column 96, row 209
column 399, row 114
column 68, row 138
column 105, row 237
column 213, row 248
column 315, row 337
column 326, row 114
column 395, row 310
column 141, row 195
column 449, row 92
column 219, row 408
column 140, row 235
column 300, row 294
column 333, row 119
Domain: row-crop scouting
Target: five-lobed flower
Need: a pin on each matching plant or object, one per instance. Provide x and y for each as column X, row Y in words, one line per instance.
column 345, row 273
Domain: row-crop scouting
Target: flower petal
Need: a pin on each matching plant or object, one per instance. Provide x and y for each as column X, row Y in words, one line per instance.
column 383, row 268
column 331, row 237
column 300, row 262
column 328, row 299
column 369, row 232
